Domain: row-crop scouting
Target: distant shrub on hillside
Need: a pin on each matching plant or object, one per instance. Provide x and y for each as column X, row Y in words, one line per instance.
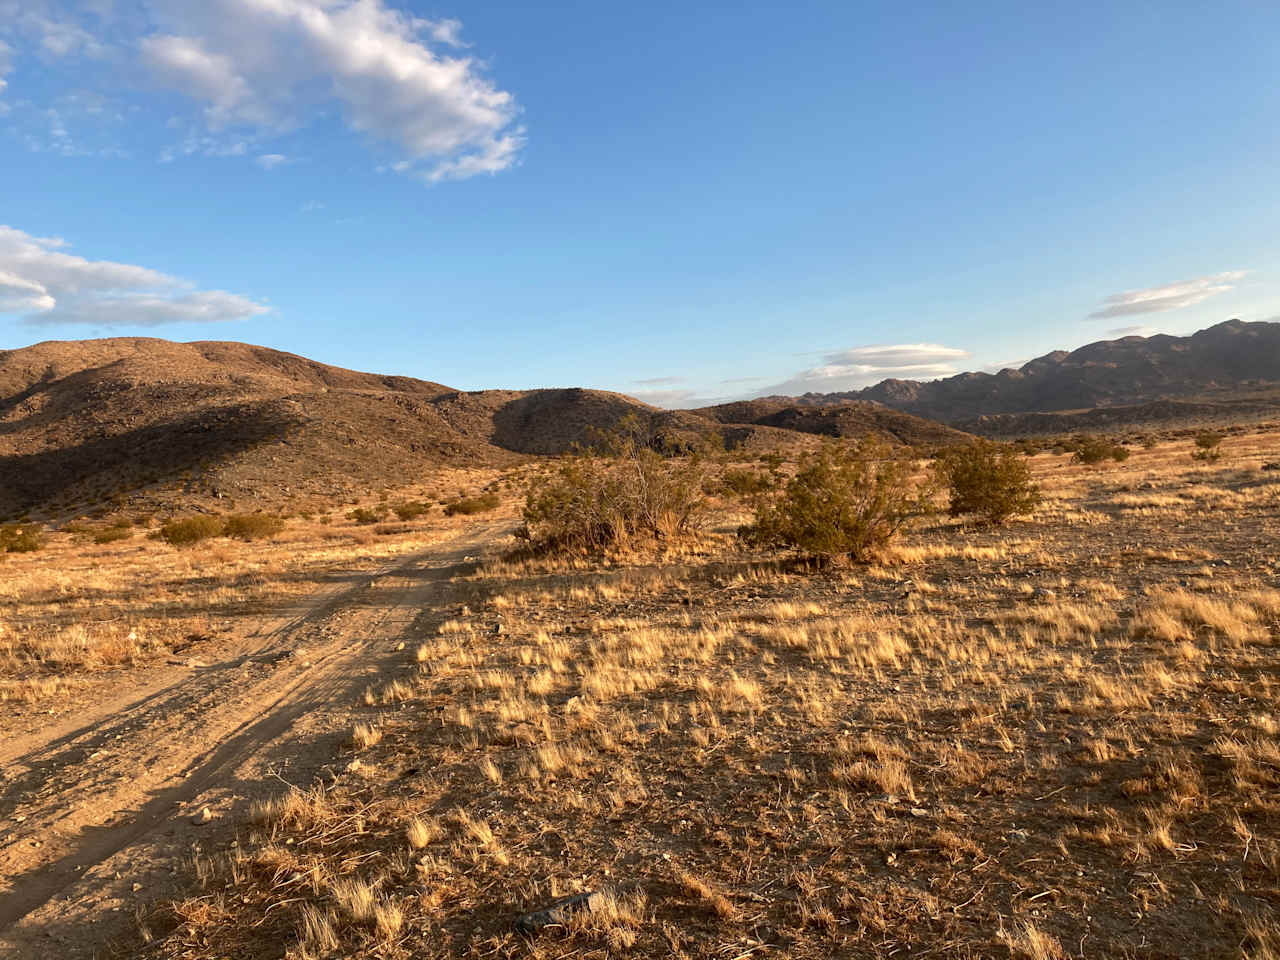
column 189, row 530
column 1207, row 446
column 1094, row 450
column 364, row 515
column 113, row 535
column 988, row 479
column 411, row 509
column 471, row 505
column 845, row 501
column 252, row 526
column 745, row 483
column 20, row 538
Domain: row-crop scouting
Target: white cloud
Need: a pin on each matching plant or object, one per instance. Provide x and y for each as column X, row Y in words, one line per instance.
column 6, row 63
column 1171, row 296
column 259, row 68
column 1138, row 330
column 270, row 64
column 45, row 285
column 670, row 399
column 659, row 381
column 444, row 31
column 269, row 161
column 862, row 366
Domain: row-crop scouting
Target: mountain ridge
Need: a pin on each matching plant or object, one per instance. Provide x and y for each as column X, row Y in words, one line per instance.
column 1125, row 371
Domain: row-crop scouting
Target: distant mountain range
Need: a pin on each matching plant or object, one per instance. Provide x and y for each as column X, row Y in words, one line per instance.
column 1229, row 357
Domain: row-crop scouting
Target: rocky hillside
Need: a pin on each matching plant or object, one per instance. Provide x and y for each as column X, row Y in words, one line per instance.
column 86, row 422
column 1232, row 356
column 852, row 418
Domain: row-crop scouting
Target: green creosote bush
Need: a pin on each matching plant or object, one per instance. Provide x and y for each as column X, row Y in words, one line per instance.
column 988, row 479
column 618, row 494
column 845, row 501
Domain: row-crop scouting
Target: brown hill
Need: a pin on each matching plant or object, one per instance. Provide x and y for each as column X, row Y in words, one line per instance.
column 84, row 422
column 1229, row 357
column 848, row 419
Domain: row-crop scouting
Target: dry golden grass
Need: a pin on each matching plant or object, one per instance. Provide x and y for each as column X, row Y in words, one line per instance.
column 1051, row 741
column 78, row 608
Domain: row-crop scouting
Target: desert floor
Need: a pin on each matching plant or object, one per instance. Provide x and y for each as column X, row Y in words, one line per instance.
column 1057, row 738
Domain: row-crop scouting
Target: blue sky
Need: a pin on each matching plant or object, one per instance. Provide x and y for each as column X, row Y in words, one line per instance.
column 678, row 201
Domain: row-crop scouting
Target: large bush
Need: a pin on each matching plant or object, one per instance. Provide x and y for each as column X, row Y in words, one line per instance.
column 620, row 493
column 844, row 501
column 988, row 479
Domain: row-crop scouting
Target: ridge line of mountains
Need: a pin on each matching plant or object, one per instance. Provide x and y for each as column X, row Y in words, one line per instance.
column 140, row 419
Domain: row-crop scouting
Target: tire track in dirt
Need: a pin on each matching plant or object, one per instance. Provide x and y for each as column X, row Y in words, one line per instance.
column 156, row 754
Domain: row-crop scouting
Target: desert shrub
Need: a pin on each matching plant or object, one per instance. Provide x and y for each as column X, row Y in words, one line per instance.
column 189, row 530
column 621, row 493
column 391, row 529
column 252, row 526
column 1207, row 446
column 745, row 483
column 773, row 460
column 365, row 515
column 1094, row 450
column 113, row 534
column 844, row 501
column 471, row 505
column 988, row 479
column 411, row 509
column 20, row 538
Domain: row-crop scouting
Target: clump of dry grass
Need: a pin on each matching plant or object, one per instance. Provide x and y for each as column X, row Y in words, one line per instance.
column 365, row 735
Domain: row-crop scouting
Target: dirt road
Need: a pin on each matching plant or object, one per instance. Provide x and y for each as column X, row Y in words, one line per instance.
column 97, row 811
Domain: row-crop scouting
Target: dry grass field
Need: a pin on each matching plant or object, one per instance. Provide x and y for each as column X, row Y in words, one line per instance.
column 1057, row 738
column 1054, row 739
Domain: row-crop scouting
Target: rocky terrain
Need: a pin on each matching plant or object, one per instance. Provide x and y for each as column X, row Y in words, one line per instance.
column 1227, row 358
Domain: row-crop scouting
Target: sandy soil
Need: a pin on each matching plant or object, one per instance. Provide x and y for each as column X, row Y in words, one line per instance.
column 103, row 798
